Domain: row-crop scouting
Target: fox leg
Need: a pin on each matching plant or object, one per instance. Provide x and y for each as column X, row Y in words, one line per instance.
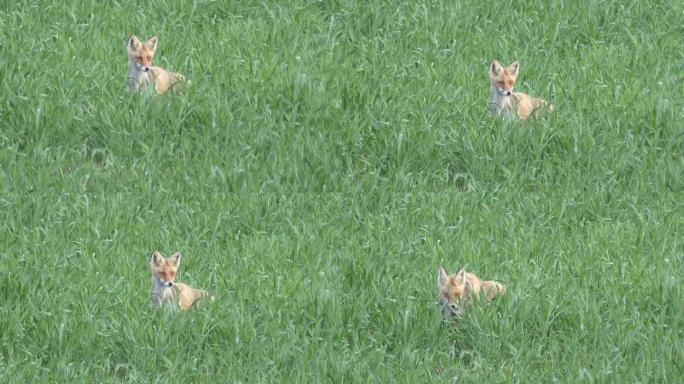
column 539, row 105
column 176, row 79
column 492, row 288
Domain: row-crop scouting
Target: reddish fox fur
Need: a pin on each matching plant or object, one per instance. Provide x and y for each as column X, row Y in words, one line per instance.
column 141, row 74
column 506, row 103
column 164, row 290
column 461, row 289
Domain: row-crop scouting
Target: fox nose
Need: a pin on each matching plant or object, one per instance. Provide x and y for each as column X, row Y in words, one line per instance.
column 508, row 93
column 145, row 68
column 451, row 310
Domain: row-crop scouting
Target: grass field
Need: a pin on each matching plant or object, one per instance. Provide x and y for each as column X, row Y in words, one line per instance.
column 328, row 158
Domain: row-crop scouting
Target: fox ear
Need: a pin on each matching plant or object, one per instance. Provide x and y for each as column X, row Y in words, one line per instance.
column 513, row 68
column 175, row 258
column 152, row 43
column 133, row 42
column 156, row 258
column 461, row 274
column 442, row 277
column 495, row 68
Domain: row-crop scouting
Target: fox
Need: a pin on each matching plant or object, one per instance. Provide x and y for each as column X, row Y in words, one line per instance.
column 506, row 103
column 142, row 75
column 164, row 290
column 462, row 289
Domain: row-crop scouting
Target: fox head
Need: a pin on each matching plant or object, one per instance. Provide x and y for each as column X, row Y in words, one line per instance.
column 454, row 291
column 163, row 269
column 502, row 78
column 141, row 53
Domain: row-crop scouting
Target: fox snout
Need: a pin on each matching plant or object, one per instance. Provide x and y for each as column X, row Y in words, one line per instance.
column 504, row 92
column 142, row 67
column 449, row 310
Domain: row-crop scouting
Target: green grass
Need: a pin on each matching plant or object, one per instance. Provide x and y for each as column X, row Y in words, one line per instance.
column 328, row 158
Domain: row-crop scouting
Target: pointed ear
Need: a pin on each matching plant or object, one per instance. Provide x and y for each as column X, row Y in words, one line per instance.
column 175, row 258
column 513, row 68
column 152, row 43
column 442, row 277
column 156, row 258
column 495, row 68
column 461, row 275
column 133, row 42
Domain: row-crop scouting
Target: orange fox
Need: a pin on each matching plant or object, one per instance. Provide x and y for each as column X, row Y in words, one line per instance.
column 504, row 101
column 462, row 289
column 164, row 290
column 141, row 75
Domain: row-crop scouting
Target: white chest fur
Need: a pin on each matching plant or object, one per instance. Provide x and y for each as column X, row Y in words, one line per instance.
column 162, row 294
column 501, row 105
column 138, row 79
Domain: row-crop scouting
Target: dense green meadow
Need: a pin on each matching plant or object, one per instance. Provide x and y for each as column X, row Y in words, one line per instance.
column 328, row 158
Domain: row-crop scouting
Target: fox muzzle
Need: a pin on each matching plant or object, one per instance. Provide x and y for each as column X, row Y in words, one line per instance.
column 504, row 92
column 449, row 310
column 142, row 67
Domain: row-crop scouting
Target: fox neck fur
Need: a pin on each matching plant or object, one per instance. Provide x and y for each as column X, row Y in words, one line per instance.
column 162, row 294
column 138, row 78
column 501, row 105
